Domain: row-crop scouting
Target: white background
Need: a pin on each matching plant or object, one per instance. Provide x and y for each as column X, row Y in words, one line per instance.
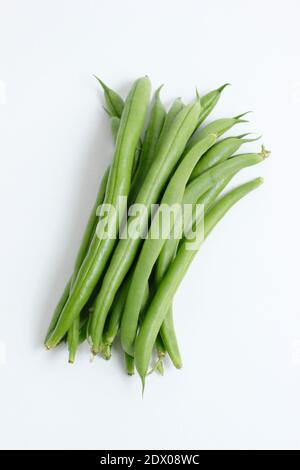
column 237, row 312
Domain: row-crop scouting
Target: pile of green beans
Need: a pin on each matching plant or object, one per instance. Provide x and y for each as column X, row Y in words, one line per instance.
column 124, row 284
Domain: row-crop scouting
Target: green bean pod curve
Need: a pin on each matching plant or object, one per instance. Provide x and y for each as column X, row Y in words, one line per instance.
column 175, row 108
column 114, row 107
column 88, row 233
column 114, row 319
column 131, row 125
column 168, row 154
column 209, row 101
column 152, row 246
column 129, row 364
column 218, row 127
column 217, row 153
column 166, row 256
column 114, row 102
column 171, row 281
column 73, row 332
column 148, row 150
column 203, row 190
column 222, row 150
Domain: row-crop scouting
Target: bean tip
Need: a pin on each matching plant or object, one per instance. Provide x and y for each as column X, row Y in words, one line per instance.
column 92, row 356
column 242, row 115
column 252, row 140
column 143, row 385
column 105, row 87
column 108, row 112
column 222, row 87
column 157, row 93
column 264, row 152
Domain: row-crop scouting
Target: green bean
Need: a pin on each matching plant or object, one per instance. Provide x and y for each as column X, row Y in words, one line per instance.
column 191, row 196
column 88, row 233
column 171, row 281
column 160, row 347
column 152, row 246
column 73, row 333
column 168, row 335
column 218, row 153
column 218, row 127
column 198, row 190
column 114, row 103
column 176, row 107
column 112, row 328
column 131, row 125
column 129, row 364
column 209, row 101
column 114, row 318
column 148, row 149
column 83, row 330
column 167, row 254
column 114, row 124
column 169, row 152
column 73, row 339
column 58, row 309
column 161, row 353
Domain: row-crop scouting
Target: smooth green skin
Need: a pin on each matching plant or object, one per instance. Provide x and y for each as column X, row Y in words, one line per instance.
column 148, row 151
column 169, row 250
column 131, row 125
column 73, row 332
column 174, row 110
column 167, row 330
column 88, row 233
column 173, row 277
column 217, row 153
column 83, row 330
column 222, row 150
column 152, row 246
column 58, row 309
column 114, row 107
column 113, row 101
column 129, row 364
column 117, row 310
column 115, row 316
column 209, row 101
column 218, row 127
column 114, row 125
column 168, row 154
column 170, row 247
